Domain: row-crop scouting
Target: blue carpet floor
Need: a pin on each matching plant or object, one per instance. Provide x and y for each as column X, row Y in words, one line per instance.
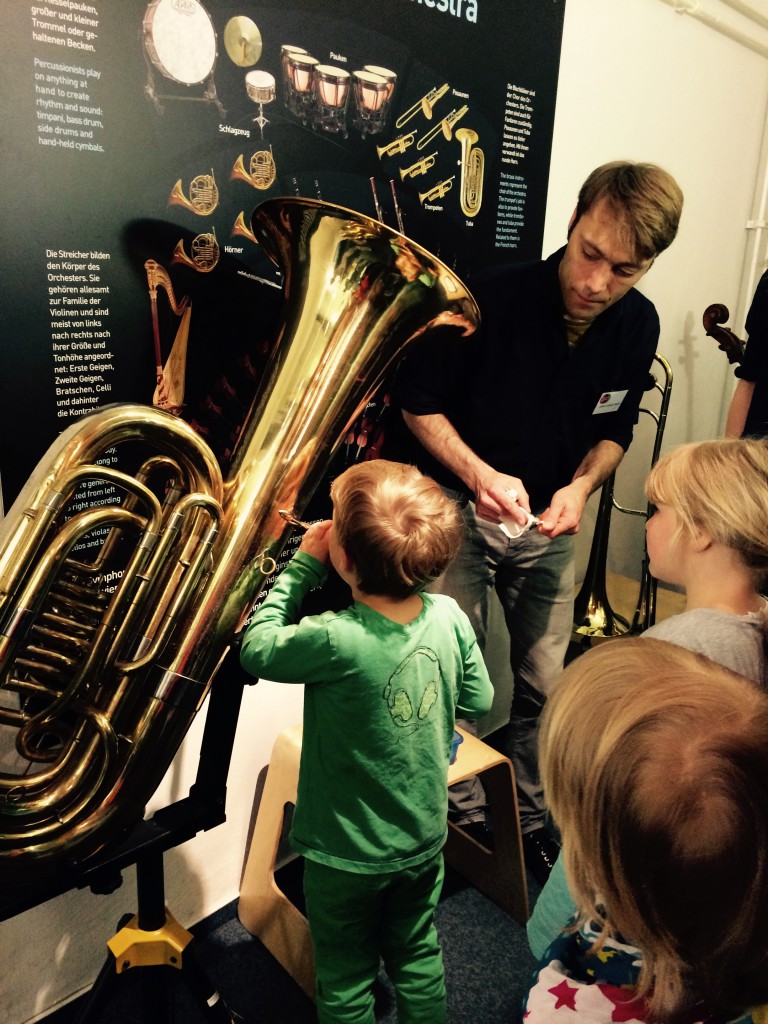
column 487, row 964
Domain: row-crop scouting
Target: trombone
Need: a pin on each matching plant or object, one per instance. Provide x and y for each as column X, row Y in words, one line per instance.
column 425, row 105
column 445, row 126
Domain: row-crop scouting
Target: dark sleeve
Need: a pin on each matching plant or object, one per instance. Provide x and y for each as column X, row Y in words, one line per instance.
column 429, row 375
column 755, row 358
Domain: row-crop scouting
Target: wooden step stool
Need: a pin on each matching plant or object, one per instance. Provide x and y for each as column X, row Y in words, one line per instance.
column 266, row 912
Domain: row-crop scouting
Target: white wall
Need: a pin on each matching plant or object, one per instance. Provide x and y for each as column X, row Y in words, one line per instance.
column 642, row 82
column 638, row 81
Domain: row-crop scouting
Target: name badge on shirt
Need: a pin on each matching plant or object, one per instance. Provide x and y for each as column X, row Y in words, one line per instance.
column 609, row 401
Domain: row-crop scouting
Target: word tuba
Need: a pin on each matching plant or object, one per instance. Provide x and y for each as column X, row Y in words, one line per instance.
column 107, row 659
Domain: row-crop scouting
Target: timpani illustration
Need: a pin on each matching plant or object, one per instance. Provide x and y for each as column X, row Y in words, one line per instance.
column 372, row 88
column 298, row 71
column 180, row 43
column 260, row 86
column 331, row 88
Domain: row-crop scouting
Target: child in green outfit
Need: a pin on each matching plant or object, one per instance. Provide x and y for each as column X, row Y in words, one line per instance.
column 384, row 679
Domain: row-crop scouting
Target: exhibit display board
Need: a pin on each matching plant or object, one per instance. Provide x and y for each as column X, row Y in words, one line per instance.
column 138, row 138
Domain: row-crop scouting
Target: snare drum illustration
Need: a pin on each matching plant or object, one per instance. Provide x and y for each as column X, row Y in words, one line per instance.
column 180, row 43
column 331, row 87
column 260, row 86
column 373, row 94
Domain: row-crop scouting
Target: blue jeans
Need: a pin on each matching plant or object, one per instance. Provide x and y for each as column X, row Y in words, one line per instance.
column 534, row 579
column 355, row 919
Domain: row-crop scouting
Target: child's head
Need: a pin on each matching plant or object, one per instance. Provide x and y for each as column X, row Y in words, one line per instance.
column 396, row 526
column 655, row 767
column 719, row 488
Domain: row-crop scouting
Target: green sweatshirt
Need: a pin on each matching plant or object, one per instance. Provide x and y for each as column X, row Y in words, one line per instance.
column 379, row 710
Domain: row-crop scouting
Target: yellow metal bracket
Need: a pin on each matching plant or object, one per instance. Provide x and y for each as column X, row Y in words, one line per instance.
column 134, row 947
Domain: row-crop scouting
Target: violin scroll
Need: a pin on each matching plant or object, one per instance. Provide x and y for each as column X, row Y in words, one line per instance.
column 730, row 343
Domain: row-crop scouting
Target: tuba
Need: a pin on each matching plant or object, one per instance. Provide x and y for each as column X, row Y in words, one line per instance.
column 105, row 660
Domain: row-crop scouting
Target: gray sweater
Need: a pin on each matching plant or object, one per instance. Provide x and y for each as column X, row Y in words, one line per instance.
column 736, row 641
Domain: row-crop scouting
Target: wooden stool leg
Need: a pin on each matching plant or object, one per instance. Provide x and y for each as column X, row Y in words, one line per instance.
column 499, row 873
column 263, row 908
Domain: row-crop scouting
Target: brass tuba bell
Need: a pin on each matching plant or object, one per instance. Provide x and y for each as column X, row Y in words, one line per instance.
column 107, row 659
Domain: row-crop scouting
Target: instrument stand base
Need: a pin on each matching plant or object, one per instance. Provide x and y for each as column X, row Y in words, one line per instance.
column 153, row 938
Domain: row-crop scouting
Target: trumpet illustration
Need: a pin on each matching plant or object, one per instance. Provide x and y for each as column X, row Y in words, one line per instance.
column 445, row 126
column 425, row 105
column 203, row 195
column 420, row 167
column 437, row 191
column 261, row 171
column 205, row 253
column 472, row 169
column 398, row 145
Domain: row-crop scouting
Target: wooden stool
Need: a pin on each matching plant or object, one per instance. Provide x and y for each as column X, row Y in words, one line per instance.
column 263, row 908
column 499, row 873
column 266, row 912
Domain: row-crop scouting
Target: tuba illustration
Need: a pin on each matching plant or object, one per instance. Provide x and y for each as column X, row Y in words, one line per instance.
column 472, row 170
column 105, row 661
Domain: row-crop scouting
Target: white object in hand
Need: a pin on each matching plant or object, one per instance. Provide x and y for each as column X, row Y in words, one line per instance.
column 511, row 527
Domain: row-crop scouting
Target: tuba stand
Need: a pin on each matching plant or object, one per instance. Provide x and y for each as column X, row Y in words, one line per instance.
column 153, row 938
column 155, row 930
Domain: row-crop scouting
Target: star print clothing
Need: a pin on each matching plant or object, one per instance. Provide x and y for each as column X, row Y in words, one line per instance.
column 572, row 983
column 379, row 709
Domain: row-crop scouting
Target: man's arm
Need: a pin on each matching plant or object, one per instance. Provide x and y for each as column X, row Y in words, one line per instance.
column 567, row 505
column 739, row 407
column 489, row 487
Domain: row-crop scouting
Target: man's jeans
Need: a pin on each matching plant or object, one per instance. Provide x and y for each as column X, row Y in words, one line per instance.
column 534, row 579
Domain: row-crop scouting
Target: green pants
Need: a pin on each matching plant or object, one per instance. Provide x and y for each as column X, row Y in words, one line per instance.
column 356, row 919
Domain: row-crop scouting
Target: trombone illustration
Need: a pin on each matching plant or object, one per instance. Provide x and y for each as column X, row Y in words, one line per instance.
column 445, row 126
column 425, row 105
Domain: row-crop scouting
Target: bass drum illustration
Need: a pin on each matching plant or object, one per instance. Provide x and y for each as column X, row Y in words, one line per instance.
column 180, row 40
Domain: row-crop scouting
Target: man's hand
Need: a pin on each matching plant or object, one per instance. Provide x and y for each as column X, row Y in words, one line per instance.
column 493, row 500
column 566, row 509
column 315, row 541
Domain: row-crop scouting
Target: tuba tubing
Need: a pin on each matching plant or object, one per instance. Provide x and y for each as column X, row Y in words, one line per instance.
column 351, row 306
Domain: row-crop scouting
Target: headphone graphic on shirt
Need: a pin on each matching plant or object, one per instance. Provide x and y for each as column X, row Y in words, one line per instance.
column 412, row 689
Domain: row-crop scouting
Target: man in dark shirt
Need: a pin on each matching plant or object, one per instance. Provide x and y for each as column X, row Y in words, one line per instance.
column 528, row 419
column 748, row 413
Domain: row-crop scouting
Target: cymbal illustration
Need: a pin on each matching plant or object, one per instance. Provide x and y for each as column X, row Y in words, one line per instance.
column 242, row 41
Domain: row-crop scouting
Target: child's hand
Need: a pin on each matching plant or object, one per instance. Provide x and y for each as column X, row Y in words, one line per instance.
column 315, row 541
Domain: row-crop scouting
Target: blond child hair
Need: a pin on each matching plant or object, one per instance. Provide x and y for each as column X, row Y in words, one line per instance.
column 721, row 487
column 654, row 763
column 396, row 525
